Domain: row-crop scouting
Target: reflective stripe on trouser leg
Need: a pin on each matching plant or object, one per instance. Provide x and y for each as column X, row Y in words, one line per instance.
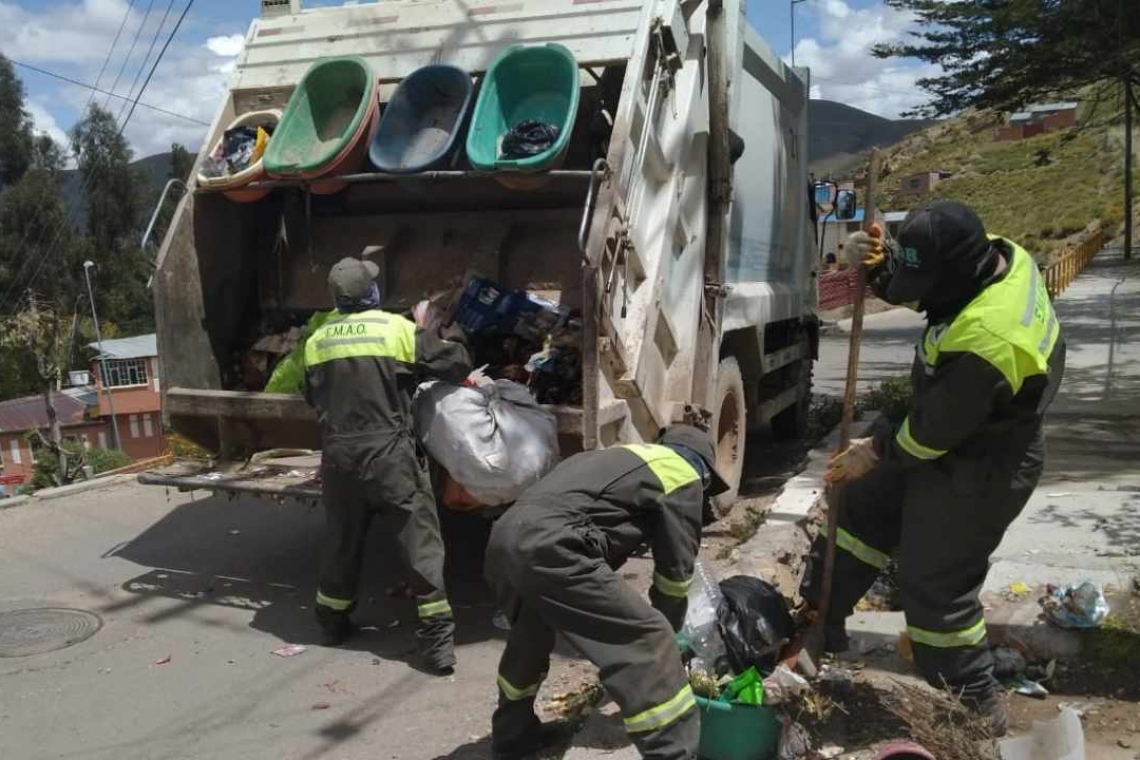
column 965, row 637
column 517, row 693
column 334, row 603
column 863, row 552
column 433, row 609
column 522, row 668
column 663, row 714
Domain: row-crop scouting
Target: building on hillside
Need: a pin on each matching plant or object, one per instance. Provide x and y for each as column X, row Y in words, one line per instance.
column 1036, row 120
column 132, row 379
column 78, row 417
column 923, row 182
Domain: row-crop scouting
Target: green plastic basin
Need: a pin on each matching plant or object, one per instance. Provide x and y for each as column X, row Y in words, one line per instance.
column 539, row 83
column 323, row 117
column 737, row 732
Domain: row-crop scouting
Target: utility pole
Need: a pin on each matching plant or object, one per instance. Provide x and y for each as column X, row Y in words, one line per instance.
column 1128, row 165
column 102, row 357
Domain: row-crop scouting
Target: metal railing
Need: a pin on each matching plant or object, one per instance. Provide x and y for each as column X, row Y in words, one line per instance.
column 1072, row 262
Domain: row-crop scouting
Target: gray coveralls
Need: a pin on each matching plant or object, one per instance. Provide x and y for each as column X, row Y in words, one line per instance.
column 360, row 372
column 552, row 560
column 955, row 474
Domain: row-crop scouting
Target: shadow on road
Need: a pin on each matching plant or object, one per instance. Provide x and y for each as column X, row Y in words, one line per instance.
column 253, row 555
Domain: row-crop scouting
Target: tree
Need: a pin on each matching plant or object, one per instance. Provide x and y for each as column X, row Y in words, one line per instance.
column 15, row 127
column 114, row 219
column 34, row 334
column 1004, row 54
column 181, row 163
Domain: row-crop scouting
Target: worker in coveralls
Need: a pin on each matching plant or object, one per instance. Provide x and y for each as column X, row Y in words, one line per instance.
column 552, row 560
column 938, row 492
column 361, row 367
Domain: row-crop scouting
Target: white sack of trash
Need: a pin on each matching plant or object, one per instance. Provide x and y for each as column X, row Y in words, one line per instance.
column 494, row 439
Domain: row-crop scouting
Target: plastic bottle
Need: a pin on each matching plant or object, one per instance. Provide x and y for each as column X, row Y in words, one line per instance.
column 700, row 628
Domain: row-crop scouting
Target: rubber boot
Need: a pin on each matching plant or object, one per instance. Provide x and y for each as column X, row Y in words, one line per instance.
column 435, row 643
column 989, row 702
column 544, row 736
column 336, row 627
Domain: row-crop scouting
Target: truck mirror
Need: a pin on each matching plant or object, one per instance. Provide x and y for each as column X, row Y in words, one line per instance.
column 824, row 193
column 845, row 202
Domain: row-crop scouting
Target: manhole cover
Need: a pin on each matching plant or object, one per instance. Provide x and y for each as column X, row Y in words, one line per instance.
column 25, row 632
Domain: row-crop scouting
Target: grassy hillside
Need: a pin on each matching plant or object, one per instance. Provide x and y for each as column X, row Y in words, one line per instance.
column 838, row 133
column 1039, row 191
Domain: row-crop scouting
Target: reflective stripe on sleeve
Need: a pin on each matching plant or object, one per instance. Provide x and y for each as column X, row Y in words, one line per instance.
column 669, row 466
column 861, row 551
column 967, row 637
column 913, row 447
column 434, row 609
column 332, row 602
column 670, row 587
column 663, row 714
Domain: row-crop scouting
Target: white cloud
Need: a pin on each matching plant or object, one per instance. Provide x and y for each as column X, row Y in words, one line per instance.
column 843, row 69
column 73, row 37
column 228, row 46
column 44, row 122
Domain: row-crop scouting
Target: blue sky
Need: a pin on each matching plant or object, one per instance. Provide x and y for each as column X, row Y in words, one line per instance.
column 71, row 37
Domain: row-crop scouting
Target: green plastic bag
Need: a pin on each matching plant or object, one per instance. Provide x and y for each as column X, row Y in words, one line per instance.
column 746, row 689
column 289, row 374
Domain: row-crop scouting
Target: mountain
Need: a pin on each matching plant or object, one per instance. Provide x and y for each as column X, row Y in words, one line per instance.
column 153, row 171
column 838, row 133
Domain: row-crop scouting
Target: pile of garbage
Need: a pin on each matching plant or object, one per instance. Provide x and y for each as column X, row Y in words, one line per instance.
column 524, row 337
column 239, row 148
column 731, row 640
column 529, row 137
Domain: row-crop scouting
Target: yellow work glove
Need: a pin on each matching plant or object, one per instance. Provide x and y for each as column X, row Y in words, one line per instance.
column 856, row 461
column 865, row 248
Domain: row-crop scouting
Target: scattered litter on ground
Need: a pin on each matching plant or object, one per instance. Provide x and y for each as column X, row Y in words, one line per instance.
column 211, row 476
column 163, row 661
column 320, row 706
column 235, row 532
column 1019, row 588
column 393, row 624
column 828, row 751
column 1028, row 688
column 1060, row 494
column 290, row 650
column 1082, row 606
column 1062, row 738
column 1080, row 708
column 795, row 742
column 576, row 703
column 783, row 685
column 1008, row 662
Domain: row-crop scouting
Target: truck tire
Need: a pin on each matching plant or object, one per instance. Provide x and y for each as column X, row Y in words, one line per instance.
column 729, row 429
column 792, row 423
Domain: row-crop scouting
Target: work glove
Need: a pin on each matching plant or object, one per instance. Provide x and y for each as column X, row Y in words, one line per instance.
column 854, row 462
column 866, row 247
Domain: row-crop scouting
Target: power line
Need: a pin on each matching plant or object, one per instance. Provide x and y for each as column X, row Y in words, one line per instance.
column 122, row 126
column 146, row 59
column 130, row 52
column 97, row 90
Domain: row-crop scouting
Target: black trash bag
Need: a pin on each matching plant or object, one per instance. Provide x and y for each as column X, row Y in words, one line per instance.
column 754, row 622
column 528, row 138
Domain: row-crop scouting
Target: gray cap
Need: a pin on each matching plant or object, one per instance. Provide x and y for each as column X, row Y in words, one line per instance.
column 351, row 279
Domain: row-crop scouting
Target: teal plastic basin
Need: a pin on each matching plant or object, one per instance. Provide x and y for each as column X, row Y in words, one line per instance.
column 539, row 83
column 737, row 732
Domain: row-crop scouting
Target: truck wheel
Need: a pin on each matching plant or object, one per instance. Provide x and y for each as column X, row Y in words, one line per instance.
column 729, row 427
column 792, row 423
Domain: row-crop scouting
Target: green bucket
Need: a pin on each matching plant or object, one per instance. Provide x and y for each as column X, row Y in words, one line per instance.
column 737, row 732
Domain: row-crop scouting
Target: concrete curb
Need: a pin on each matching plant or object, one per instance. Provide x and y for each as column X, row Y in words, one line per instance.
column 778, row 551
column 13, row 501
column 95, row 484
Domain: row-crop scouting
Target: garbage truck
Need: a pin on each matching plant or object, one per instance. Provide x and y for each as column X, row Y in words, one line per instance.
column 676, row 231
